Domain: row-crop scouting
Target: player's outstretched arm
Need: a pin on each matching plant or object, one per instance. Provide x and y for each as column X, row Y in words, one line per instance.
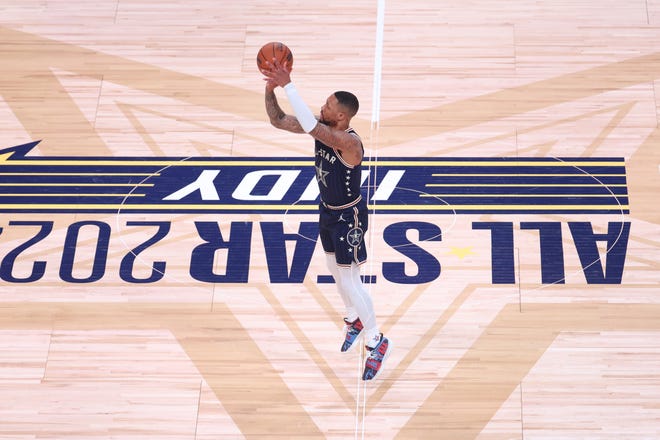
column 305, row 122
column 277, row 117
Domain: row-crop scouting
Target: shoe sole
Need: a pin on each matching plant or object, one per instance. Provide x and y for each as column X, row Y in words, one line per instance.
column 390, row 346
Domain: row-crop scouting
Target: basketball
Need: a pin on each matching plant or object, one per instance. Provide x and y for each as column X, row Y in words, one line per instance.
column 276, row 50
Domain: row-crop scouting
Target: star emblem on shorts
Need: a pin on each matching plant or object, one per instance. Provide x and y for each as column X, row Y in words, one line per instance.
column 321, row 174
column 354, row 236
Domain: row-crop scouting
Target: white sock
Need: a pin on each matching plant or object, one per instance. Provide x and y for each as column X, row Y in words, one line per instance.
column 349, row 278
column 351, row 312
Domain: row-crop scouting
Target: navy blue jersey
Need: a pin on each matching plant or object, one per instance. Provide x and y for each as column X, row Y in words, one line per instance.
column 339, row 182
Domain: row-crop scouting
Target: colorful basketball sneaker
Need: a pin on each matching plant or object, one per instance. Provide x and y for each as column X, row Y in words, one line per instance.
column 352, row 331
column 376, row 358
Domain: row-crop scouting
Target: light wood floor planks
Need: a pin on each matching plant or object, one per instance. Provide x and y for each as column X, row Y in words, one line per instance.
column 513, row 325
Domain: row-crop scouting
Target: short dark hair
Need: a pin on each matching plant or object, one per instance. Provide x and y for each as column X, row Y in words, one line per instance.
column 349, row 101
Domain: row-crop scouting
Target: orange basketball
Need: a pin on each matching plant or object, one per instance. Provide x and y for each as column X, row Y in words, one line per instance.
column 276, row 50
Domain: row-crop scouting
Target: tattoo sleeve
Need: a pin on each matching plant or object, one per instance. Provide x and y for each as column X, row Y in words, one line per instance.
column 278, row 118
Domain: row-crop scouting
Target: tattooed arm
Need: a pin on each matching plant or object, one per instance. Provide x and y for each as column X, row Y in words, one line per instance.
column 278, row 118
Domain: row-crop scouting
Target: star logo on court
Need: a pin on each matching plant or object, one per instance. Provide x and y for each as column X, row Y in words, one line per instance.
column 321, row 174
column 354, row 236
column 461, row 252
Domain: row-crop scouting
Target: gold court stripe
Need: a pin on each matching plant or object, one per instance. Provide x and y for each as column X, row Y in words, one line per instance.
column 85, row 174
column 76, row 184
column 212, row 207
column 526, row 175
column 534, row 185
column 523, row 195
column 188, row 163
column 73, row 195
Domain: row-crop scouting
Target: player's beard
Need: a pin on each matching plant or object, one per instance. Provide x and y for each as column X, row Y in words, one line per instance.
column 327, row 122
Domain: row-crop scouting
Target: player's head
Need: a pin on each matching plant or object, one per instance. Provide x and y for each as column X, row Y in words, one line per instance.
column 339, row 108
column 349, row 102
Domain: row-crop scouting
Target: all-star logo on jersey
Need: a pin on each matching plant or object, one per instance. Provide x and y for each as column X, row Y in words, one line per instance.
column 277, row 185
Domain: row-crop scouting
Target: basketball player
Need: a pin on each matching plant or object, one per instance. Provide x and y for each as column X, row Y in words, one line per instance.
column 343, row 212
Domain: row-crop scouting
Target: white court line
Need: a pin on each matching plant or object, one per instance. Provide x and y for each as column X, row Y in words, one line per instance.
column 375, row 119
column 378, row 63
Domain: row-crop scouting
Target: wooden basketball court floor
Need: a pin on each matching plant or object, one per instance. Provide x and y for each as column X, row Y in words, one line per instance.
column 503, row 329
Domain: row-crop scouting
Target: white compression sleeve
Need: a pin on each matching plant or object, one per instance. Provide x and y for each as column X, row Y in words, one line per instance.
column 361, row 299
column 351, row 312
column 303, row 113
